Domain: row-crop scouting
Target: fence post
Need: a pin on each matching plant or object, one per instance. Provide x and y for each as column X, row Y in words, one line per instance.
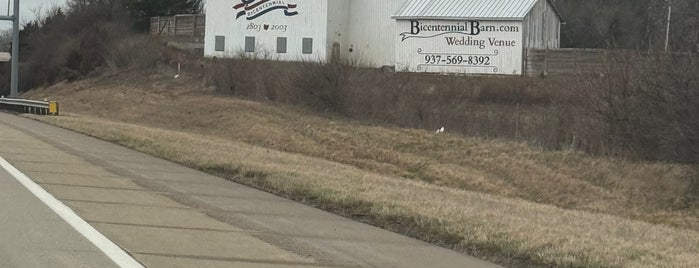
column 175, row 25
column 525, row 64
column 194, row 25
column 546, row 62
column 162, row 27
column 203, row 20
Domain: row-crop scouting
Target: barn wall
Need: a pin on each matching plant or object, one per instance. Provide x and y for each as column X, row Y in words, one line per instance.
column 338, row 28
column 495, row 48
column 542, row 27
column 372, row 29
column 364, row 32
column 311, row 22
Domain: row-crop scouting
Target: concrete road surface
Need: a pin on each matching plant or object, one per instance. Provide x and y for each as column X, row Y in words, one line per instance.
column 32, row 235
column 167, row 215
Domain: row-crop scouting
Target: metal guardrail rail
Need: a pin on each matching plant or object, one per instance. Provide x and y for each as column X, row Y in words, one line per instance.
column 29, row 106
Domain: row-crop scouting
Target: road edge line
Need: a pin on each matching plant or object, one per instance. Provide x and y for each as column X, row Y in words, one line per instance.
column 109, row 248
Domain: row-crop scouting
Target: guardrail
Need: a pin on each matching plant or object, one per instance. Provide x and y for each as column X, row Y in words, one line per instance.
column 29, row 106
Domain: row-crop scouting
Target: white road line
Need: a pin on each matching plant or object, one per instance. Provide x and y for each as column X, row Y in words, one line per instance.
column 114, row 252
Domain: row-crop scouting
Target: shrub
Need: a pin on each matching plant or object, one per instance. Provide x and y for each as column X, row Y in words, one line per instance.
column 323, row 86
column 628, row 111
column 642, row 107
column 668, row 103
column 135, row 51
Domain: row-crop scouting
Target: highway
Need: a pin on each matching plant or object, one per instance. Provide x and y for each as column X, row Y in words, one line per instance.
column 33, row 235
column 166, row 215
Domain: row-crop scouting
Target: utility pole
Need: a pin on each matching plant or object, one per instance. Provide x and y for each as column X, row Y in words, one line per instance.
column 14, row 88
column 669, row 19
column 14, row 92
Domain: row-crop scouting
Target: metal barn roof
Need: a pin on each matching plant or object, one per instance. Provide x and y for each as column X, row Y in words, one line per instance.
column 471, row 9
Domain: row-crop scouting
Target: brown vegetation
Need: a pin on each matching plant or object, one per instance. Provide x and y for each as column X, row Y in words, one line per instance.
column 379, row 174
column 79, row 38
column 632, row 110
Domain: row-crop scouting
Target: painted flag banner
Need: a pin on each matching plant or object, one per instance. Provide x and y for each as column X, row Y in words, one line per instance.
column 253, row 9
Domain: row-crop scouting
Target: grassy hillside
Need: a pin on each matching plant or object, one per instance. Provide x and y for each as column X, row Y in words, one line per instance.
column 508, row 202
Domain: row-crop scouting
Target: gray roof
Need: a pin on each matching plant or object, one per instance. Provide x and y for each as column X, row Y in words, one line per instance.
column 470, row 9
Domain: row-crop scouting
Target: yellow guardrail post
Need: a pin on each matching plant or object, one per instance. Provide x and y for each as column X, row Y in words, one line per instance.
column 53, row 108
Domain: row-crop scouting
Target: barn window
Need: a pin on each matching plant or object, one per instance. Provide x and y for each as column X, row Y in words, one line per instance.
column 220, row 43
column 281, row 45
column 249, row 44
column 307, row 46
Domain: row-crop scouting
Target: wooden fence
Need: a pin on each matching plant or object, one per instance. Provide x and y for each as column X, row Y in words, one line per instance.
column 580, row 61
column 565, row 61
column 178, row 25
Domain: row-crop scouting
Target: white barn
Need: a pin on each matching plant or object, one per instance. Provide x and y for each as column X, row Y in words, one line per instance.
column 440, row 36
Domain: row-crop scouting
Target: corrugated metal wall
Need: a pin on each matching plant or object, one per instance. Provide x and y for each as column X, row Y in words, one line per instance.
column 264, row 31
column 338, row 29
column 498, row 51
column 373, row 32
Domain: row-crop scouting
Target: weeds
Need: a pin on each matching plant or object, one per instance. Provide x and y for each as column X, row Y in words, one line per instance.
column 509, row 231
column 621, row 113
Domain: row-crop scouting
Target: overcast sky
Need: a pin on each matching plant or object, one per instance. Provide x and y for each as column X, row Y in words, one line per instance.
column 27, row 9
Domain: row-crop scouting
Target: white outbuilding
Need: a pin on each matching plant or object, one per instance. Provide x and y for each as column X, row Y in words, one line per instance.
column 440, row 36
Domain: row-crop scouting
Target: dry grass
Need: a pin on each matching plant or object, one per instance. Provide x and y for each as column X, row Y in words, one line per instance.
column 510, row 228
column 490, row 198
